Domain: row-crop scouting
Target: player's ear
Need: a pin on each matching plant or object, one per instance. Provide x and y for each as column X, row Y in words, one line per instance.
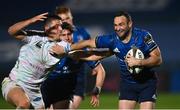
column 130, row 23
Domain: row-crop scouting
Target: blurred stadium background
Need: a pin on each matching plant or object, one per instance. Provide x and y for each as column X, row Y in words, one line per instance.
column 160, row 17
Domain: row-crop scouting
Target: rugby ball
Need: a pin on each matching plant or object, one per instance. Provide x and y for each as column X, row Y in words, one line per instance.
column 137, row 53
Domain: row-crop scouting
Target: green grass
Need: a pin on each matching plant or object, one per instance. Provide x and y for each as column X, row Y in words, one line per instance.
column 4, row 104
column 110, row 101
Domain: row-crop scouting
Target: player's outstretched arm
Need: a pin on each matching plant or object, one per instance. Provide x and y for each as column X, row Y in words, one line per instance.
column 83, row 44
column 91, row 54
column 97, row 53
column 16, row 29
column 59, row 50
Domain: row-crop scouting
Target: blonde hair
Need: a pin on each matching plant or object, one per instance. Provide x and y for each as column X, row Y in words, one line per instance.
column 62, row 9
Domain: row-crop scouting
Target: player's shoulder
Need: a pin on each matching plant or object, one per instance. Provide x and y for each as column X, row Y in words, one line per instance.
column 141, row 32
column 33, row 32
column 108, row 36
column 37, row 38
column 81, row 33
column 79, row 29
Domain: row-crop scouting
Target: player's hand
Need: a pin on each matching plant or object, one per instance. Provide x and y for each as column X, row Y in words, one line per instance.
column 95, row 96
column 40, row 17
column 57, row 49
column 132, row 61
column 95, row 100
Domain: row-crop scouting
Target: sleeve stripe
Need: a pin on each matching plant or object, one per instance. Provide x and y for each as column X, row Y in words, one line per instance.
column 96, row 41
column 154, row 47
column 95, row 65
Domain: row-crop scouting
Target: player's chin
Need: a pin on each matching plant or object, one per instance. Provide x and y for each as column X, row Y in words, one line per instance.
column 120, row 33
column 55, row 38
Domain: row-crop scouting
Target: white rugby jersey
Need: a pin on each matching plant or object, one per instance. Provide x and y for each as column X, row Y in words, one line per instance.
column 33, row 61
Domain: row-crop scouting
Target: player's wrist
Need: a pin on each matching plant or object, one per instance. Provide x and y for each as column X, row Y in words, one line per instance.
column 96, row 90
column 140, row 63
column 31, row 20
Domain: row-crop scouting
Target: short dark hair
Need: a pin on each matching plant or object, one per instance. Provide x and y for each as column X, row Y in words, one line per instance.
column 50, row 18
column 125, row 14
column 67, row 26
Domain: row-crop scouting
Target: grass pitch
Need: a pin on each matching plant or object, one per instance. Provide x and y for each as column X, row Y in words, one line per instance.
column 110, row 101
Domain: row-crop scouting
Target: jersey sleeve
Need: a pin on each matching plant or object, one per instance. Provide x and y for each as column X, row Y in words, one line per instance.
column 32, row 35
column 103, row 41
column 150, row 44
column 93, row 64
column 28, row 39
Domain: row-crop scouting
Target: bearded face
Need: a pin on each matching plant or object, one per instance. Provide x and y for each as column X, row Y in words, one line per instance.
column 122, row 26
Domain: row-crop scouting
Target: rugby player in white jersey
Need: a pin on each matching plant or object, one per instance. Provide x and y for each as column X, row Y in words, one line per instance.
column 22, row 87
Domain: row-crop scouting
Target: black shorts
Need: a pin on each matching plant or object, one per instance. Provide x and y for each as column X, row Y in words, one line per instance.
column 80, row 85
column 58, row 89
column 139, row 92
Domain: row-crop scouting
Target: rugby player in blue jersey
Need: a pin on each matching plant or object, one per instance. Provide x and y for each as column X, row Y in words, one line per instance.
column 134, row 88
column 72, row 71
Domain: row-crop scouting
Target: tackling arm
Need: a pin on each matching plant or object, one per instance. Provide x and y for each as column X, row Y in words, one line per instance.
column 97, row 53
column 59, row 50
column 92, row 54
column 83, row 44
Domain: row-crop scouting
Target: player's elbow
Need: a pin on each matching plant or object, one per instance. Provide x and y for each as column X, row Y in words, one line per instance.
column 158, row 57
column 10, row 31
column 159, row 61
column 91, row 43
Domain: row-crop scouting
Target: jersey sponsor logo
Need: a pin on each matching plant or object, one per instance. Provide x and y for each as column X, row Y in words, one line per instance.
column 116, row 50
column 148, row 39
column 154, row 96
column 66, row 70
column 37, row 99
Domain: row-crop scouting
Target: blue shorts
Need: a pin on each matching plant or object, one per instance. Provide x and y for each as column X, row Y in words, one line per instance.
column 139, row 92
column 58, row 89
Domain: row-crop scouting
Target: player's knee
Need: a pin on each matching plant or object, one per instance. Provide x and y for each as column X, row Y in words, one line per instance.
column 147, row 105
column 24, row 104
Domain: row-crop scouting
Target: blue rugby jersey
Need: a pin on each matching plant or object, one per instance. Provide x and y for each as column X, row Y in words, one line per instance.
column 141, row 39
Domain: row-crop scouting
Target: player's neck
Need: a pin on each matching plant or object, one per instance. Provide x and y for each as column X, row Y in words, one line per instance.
column 127, row 37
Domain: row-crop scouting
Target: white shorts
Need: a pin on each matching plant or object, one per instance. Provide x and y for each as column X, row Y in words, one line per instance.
column 35, row 96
